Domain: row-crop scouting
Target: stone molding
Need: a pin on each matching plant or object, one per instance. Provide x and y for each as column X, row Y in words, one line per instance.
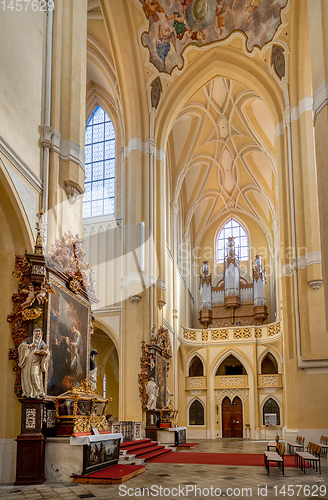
column 67, row 150
column 146, row 147
column 320, row 99
column 20, row 165
column 220, row 394
column 302, row 262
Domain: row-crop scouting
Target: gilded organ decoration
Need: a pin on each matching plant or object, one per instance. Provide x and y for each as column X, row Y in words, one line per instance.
column 176, row 24
column 234, row 300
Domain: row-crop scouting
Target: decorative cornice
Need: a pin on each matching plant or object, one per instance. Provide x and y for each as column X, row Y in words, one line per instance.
column 147, row 147
column 20, row 165
column 67, row 150
column 302, row 262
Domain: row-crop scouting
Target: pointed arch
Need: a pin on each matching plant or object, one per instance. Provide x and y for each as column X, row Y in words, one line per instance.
column 194, row 359
column 196, row 413
column 271, row 405
column 236, row 229
column 100, row 159
column 273, row 353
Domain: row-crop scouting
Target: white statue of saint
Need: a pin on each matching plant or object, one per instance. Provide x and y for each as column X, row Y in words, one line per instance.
column 152, row 393
column 93, row 370
column 33, row 360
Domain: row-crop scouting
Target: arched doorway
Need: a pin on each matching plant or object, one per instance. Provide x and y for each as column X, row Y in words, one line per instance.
column 232, row 417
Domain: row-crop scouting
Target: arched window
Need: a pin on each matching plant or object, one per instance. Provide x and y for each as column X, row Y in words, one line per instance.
column 99, row 184
column 196, row 368
column 271, row 406
column 232, row 228
column 196, row 413
column 269, row 364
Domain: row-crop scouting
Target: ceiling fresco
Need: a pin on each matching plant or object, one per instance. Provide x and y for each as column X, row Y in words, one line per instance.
column 176, row 24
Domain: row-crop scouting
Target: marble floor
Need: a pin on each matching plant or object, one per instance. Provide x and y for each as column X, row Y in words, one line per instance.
column 175, row 481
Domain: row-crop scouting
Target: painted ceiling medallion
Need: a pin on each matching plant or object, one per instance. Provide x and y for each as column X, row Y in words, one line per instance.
column 175, row 24
column 278, row 60
column 156, row 89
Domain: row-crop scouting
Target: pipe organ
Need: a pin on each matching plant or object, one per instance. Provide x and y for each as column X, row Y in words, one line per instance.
column 234, row 300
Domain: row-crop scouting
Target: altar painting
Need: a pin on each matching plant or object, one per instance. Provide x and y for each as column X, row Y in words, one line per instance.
column 68, row 324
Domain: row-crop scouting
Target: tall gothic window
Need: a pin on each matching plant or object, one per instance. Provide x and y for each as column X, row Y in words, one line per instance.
column 99, row 184
column 232, row 228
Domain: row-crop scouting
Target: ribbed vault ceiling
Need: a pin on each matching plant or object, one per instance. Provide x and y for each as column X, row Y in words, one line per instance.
column 221, row 157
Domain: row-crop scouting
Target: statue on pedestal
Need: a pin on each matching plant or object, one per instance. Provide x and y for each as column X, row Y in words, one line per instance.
column 152, row 393
column 33, row 360
column 93, row 370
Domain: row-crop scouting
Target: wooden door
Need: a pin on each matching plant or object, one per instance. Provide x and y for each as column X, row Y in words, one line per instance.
column 232, row 418
column 226, row 418
column 237, row 417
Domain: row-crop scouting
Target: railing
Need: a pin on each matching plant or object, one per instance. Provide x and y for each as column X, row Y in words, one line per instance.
column 196, row 383
column 269, row 380
column 273, row 330
column 231, row 382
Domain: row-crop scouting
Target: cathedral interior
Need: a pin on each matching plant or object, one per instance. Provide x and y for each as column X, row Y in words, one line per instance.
column 179, row 147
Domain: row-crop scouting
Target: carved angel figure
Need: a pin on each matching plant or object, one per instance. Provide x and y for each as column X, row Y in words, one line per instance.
column 45, row 288
column 30, row 292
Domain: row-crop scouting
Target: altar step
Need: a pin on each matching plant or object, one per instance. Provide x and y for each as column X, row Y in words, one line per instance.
column 145, row 449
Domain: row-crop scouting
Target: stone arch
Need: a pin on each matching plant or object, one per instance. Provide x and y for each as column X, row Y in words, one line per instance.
column 191, row 361
column 15, row 237
column 108, row 364
column 244, row 394
column 273, row 353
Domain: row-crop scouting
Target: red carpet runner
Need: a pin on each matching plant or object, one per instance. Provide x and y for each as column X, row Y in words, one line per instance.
column 218, row 459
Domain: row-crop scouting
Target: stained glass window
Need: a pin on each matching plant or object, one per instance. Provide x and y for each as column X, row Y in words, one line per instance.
column 232, row 228
column 99, row 184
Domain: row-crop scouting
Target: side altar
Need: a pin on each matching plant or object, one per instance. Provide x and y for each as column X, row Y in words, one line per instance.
column 156, row 398
column 51, row 327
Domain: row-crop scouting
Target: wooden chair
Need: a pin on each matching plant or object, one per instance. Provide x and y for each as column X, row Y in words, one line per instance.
column 273, row 444
column 311, row 456
column 276, row 457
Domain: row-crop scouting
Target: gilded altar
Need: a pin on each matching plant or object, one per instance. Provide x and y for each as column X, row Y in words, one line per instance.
column 80, row 410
